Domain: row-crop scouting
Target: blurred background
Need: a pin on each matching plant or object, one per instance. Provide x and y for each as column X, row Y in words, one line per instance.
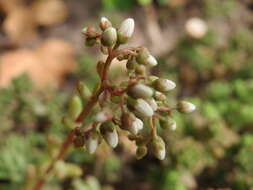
column 206, row 46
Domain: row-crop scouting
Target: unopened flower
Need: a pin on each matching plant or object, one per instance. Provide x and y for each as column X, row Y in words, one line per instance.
column 103, row 116
column 152, row 103
column 92, row 142
column 109, row 37
column 196, row 27
column 90, row 32
column 90, row 41
column 143, row 109
column 131, row 123
column 131, row 64
column 152, row 78
column 83, row 90
column 158, row 147
column 104, row 23
column 164, row 85
column 75, row 107
column 159, row 96
column 140, row 69
column 142, row 56
column 168, row 123
column 68, row 122
column 126, row 30
column 110, row 134
column 141, row 151
column 185, row 107
column 140, row 91
column 151, row 61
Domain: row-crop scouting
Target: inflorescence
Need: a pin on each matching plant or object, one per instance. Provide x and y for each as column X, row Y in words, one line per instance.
column 138, row 105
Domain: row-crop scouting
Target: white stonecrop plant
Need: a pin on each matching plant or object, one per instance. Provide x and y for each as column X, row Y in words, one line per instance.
column 139, row 105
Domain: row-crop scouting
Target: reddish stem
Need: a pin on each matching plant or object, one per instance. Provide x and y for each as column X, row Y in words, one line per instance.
column 83, row 115
column 64, row 148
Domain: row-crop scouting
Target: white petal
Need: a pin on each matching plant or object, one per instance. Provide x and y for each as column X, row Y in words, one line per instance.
column 127, row 28
column 143, row 108
column 112, row 138
column 91, row 144
column 151, row 61
column 170, row 85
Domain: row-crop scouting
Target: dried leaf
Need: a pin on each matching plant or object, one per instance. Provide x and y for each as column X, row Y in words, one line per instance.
column 46, row 65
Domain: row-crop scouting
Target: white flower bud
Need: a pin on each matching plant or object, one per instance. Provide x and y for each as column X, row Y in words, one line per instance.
column 151, row 61
column 109, row 132
column 103, row 116
column 196, row 28
column 131, row 123
column 112, row 138
column 185, row 107
column 109, row 37
column 137, row 125
column 104, row 23
column 159, row 96
column 164, row 85
column 92, row 143
column 126, row 30
column 143, row 109
column 152, row 103
column 140, row 91
column 161, row 154
column 158, row 147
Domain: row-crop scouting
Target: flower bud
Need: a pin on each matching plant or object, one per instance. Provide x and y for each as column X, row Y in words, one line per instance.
column 142, row 56
column 143, row 109
column 141, row 151
column 75, row 107
column 92, row 142
column 103, row 116
column 125, row 30
column 151, row 61
column 159, row 96
column 158, row 148
column 185, row 107
column 69, row 123
column 104, row 23
column 131, row 123
column 90, row 32
column 140, row 91
column 131, row 64
column 152, row 78
column 110, row 134
column 152, row 103
column 83, row 90
column 164, row 85
column 168, row 123
column 196, row 28
column 109, row 37
column 140, row 70
column 90, row 41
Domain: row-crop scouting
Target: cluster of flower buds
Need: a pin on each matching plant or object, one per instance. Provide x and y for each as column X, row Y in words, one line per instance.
column 138, row 105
